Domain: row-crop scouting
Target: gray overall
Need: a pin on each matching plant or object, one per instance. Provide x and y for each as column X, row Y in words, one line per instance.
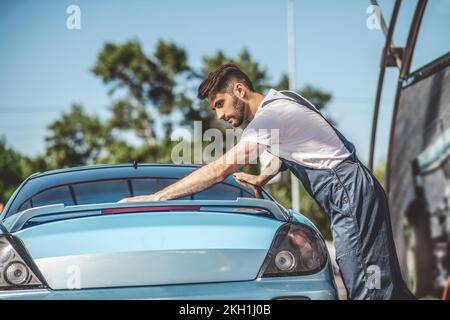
column 358, row 210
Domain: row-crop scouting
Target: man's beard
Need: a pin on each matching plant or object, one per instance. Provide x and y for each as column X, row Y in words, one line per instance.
column 239, row 107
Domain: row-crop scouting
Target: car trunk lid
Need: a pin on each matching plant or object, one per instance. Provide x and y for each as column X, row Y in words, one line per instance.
column 149, row 248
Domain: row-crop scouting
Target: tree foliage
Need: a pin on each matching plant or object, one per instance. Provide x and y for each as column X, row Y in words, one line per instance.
column 146, row 81
column 75, row 139
column 11, row 170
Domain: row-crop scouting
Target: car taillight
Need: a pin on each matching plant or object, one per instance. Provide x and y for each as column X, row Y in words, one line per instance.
column 296, row 250
column 15, row 270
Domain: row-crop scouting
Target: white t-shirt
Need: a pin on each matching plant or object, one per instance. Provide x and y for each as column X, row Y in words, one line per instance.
column 295, row 132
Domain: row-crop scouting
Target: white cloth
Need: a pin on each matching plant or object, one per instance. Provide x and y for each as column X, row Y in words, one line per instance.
column 294, row 132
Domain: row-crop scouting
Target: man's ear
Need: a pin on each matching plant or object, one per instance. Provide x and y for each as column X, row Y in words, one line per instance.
column 240, row 90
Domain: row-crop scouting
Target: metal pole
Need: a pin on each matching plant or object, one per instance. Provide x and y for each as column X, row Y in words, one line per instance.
column 295, row 187
column 404, row 71
column 388, row 45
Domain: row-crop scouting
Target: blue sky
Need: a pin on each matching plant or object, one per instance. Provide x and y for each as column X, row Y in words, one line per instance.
column 44, row 67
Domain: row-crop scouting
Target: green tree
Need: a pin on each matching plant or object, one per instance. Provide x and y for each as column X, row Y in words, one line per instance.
column 380, row 172
column 75, row 139
column 15, row 168
column 147, row 82
column 11, row 171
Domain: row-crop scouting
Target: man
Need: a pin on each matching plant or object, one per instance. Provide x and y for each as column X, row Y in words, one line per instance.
column 320, row 156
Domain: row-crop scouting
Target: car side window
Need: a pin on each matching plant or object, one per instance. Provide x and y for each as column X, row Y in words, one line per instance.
column 25, row 205
column 222, row 191
column 55, row 195
column 101, row 191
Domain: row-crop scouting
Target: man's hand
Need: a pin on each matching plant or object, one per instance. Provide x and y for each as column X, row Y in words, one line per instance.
column 250, row 181
column 151, row 197
column 266, row 174
column 243, row 177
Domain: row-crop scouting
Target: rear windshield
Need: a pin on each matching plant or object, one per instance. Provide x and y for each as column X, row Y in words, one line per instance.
column 107, row 191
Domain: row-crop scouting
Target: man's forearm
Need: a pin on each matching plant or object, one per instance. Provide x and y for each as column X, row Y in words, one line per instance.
column 262, row 179
column 269, row 172
column 250, row 180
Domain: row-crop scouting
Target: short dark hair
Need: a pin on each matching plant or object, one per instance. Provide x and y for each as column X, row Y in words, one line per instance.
column 219, row 80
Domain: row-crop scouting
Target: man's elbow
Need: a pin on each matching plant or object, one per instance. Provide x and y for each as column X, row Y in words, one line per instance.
column 220, row 176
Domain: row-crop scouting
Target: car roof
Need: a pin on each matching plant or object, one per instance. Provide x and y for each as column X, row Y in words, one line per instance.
column 126, row 166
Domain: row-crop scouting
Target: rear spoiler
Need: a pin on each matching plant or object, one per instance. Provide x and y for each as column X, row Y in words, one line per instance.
column 17, row 221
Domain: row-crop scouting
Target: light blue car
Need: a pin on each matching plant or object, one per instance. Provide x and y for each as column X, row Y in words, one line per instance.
column 64, row 236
